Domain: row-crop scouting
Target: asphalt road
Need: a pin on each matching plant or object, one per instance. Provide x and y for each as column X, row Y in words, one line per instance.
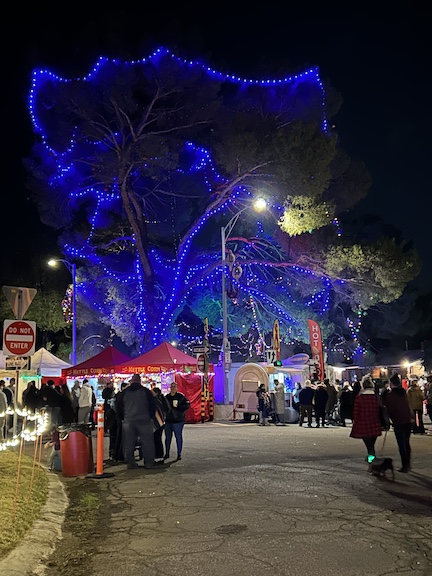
column 269, row 501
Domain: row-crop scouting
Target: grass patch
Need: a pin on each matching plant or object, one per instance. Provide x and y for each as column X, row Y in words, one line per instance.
column 17, row 518
column 83, row 509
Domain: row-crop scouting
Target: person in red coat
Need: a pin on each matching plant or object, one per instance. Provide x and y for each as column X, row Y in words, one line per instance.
column 366, row 422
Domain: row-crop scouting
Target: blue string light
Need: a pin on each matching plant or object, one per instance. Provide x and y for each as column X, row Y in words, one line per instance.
column 174, row 277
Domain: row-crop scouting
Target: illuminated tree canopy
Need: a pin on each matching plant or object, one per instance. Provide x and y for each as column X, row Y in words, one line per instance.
column 139, row 164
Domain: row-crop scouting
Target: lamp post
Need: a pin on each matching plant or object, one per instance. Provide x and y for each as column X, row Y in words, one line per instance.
column 258, row 205
column 72, row 269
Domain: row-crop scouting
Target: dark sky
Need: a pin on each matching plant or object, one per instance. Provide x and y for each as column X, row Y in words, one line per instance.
column 377, row 58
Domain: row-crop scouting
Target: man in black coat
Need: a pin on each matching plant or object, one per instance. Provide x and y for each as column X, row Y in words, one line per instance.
column 136, row 408
column 108, row 394
column 51, row 398
column 306, row 397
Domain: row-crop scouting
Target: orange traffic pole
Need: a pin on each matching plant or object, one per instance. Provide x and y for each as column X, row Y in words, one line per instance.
column 100, row 439
column 100, row 446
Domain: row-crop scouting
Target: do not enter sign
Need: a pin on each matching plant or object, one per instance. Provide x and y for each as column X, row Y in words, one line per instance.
column 200, row 362
column 19, row 338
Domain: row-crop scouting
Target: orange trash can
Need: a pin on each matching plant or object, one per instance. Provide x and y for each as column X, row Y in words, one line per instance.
column 76, row 449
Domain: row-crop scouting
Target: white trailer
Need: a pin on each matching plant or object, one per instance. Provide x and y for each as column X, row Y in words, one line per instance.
column 248, row 378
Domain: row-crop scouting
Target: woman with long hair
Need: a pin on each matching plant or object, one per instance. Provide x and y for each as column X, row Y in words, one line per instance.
column 163, row 407
column 66, row 405
column 76, row 391
column 30, row 396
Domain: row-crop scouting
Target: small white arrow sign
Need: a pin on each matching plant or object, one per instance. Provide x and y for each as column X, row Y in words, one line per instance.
column 201, row 349
column 17, row 362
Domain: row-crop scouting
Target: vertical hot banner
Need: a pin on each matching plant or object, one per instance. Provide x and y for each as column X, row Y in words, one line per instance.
column 316, row 347
column 276, row 339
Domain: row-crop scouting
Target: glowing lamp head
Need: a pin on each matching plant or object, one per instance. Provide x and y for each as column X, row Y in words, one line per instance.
column 260, row 204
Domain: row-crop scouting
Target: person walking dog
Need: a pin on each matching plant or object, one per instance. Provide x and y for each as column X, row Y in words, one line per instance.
column 366, row 421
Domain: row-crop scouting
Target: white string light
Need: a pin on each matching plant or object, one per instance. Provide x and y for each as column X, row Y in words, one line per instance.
column 26, row 434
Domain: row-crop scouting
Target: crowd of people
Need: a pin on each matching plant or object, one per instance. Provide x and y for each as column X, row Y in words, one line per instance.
column 374, row 413
column 313, row 400
column 63, row 405
column 372, row 408
column 57, row 401
column 138, row 418
column 141, row 418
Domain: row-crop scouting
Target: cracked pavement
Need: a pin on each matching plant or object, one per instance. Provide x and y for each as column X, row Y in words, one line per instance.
column 272, row 501
column 276, row 500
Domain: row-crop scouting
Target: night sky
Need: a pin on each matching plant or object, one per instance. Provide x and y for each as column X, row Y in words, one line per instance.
column 377, row 59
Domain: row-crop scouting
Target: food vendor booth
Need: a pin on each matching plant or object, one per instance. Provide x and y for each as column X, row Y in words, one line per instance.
column 98, row 369
column 165, row 364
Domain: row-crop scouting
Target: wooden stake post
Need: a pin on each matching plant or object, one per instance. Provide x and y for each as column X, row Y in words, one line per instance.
column 205, row 392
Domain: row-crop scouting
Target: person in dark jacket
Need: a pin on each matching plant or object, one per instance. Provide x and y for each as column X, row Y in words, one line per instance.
column 93, row 416
column 51, row 399
column 31, row 397
column 175, row 420
column 306, row 397
column 346, row 403
column 8, row 392
column 321, row 399
column 108, row 394
column 136, row 409
column 331, row 400
column 264, row 404
column 116, row 430
column 416, row 399
column 163, row 407
column 402, row 417
column 66, row 405
column 366, row 421
column 356, row 388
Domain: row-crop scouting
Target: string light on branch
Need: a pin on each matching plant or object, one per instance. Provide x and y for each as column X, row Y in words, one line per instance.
column 66, row 304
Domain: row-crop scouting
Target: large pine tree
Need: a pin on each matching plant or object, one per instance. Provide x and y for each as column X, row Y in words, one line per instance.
column 138, row 165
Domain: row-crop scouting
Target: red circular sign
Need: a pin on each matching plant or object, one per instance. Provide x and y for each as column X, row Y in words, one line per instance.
column 201, row 363
column 19, row 338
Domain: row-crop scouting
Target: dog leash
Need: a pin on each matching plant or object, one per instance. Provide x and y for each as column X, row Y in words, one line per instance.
column 384, row 441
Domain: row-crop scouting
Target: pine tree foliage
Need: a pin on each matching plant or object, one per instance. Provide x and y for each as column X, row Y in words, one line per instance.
column 138, row 166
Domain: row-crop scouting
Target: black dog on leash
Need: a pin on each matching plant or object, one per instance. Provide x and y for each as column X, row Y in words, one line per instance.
column 379, row 466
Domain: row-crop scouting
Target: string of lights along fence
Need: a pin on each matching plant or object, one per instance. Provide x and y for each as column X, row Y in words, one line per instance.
column 28, row 434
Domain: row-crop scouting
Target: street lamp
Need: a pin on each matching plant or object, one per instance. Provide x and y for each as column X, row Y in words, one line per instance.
column 258, row 205
column 72, row 270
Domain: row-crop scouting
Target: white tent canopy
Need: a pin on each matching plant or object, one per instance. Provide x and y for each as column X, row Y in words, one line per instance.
column 46, row 364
